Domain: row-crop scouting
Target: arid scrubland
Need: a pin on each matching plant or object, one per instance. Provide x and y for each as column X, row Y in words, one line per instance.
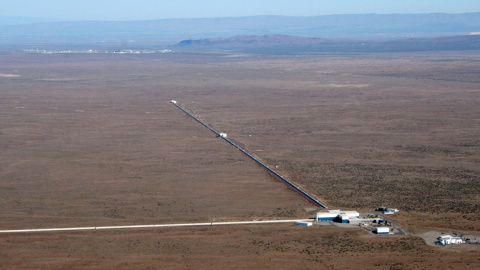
column 91, row 140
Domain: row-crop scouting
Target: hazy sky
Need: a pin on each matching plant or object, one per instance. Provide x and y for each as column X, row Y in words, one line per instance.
column 160, row 9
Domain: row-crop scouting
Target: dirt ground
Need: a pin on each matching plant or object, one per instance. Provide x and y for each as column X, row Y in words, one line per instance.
column 239, row 247
column 91, row 140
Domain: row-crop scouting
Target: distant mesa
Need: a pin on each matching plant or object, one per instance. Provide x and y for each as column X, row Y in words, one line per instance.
column 292, row 44
column 255, row 41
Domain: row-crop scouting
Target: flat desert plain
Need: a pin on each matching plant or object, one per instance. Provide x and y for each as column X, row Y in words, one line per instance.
column 92, row 140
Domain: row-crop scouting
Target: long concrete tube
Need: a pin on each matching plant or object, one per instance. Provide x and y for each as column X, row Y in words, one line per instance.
column 288, row 182
column 152, row 226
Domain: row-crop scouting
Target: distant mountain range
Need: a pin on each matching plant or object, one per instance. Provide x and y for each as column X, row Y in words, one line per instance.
column 282, row 44
column 11, row 20
column 149, row 34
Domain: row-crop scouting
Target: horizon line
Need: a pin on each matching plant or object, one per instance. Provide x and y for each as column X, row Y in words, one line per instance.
column 56, row 20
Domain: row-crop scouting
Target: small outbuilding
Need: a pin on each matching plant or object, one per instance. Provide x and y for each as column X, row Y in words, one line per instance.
column 303, row 223
column 387, row 211
column 390, row 211
column 382, row 230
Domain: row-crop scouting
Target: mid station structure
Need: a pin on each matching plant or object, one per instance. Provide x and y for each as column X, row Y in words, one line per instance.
column 450, row 240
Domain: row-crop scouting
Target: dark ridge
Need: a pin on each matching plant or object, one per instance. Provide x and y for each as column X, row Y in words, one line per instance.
column 171, row 31
column 282, row 44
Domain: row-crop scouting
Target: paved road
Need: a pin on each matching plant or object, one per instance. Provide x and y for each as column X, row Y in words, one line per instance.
column 153, row 226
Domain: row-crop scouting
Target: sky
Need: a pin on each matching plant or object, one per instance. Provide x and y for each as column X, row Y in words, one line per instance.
column 119, row 10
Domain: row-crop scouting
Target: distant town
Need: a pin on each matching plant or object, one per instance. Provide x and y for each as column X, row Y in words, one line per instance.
column 38, row 51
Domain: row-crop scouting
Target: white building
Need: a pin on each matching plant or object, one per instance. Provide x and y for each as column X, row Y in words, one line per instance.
column 303, row 223
column 338, row 215
column 350, row 214
column 346, row 216
column 364, row 220
column 322, row 216
column 450, row 240
column 382, row 230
